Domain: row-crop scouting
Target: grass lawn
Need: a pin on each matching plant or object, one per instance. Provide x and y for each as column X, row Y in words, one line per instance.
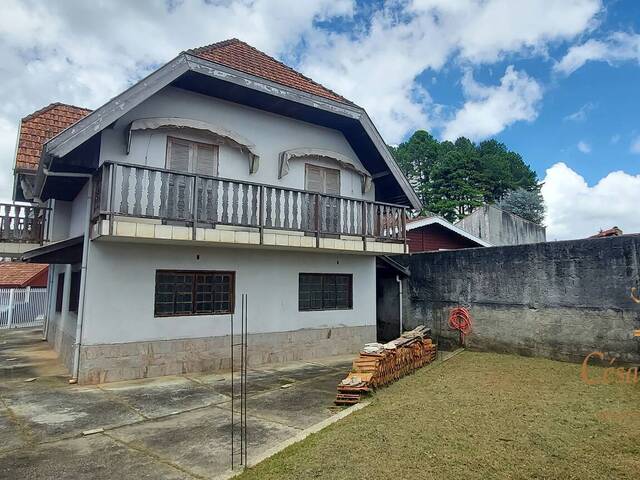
column 478, row 416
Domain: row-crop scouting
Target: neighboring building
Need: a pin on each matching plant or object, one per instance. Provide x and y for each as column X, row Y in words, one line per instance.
column 223, row 172
column 499, row 227
column 427, row 234
column 22, row 275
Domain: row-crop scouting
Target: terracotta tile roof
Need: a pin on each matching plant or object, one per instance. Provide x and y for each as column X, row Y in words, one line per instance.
column 612, row 232
column 19, row 274
column 238, row 55
column 40, row 126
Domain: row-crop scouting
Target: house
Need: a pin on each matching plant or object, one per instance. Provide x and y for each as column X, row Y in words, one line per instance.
column 499, row 227
column 432, row 233
column 222, row 173
column 22, row 275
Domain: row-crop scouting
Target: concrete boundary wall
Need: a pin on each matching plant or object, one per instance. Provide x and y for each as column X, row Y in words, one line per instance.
column 560, row 300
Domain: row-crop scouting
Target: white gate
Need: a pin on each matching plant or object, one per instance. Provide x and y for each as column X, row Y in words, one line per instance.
column 22, row 307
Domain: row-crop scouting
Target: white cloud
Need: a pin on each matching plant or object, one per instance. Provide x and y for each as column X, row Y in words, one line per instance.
column 86, row 52
column 635, row 145
column 618, row 47
column 584, row 147
column 489, row 109
column 615, row 138
column 581, row 114
column 377, row 66
column 577, row 210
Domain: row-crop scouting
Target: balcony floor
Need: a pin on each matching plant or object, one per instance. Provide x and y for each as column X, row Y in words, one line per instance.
column 132, row 229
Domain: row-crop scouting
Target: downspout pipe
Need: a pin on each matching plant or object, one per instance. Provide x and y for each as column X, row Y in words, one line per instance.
column 399, row 280
column 83, row 268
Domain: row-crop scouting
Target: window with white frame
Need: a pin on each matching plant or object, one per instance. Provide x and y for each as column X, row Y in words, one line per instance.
column 192, row 157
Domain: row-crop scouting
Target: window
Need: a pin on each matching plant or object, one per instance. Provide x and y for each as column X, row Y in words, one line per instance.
column 59, row 292
column 194, row 293
column 192, row 157
column 325, row 291
column 74, row 292
column 322, row 180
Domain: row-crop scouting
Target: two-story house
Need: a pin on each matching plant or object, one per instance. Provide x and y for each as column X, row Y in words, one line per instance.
column 223, row 172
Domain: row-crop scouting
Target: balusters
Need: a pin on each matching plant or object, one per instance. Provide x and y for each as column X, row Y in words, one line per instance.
column 234, row 204
column 286, row 221
column 137, row 205
column 277, row 193
column 164, row 182
column 295, row 196
column 225, row 202
column 254, row 205
column 151, row 194
column 245, row 204
column 268, row 221
column 124, row 193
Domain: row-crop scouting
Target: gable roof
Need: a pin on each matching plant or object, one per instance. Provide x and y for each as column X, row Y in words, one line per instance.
column 279, row 90
column 19, row 274
column 41, row 126
column 241, row 56
column 419, row 222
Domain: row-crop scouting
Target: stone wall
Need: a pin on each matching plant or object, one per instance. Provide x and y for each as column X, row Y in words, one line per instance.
column 124, row 361
column 560, row 300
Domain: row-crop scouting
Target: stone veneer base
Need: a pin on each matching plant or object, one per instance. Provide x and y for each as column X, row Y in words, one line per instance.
column 125, row 361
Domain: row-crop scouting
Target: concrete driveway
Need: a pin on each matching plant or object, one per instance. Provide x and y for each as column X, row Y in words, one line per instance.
column 169, row 427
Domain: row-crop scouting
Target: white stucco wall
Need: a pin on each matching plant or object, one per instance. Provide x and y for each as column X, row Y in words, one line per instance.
column 270, row 133
column 59, row 220
column 121, row 282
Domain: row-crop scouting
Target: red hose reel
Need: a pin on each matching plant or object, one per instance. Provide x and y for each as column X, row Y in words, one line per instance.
column 460, row 319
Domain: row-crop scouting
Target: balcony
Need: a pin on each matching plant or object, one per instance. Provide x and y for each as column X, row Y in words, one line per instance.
column 22, row 228
column 141, row 202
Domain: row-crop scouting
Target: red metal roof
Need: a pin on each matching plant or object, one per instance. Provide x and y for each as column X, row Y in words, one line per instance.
column 19, row 274
column 40, row 126
column 238, row 55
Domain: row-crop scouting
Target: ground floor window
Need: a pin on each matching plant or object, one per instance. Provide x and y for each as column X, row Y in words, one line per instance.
column 325, row 291
column 181, row 293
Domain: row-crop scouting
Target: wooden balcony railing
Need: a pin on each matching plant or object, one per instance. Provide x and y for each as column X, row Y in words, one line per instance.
column 127, row 190
column 23, row 223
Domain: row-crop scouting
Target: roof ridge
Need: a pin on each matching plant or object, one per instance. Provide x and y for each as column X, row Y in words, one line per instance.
column 236, row 41
column 51, row 106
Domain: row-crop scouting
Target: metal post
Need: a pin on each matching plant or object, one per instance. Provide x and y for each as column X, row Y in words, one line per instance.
column 194, row 209
column 364, row 226
column 10, row 312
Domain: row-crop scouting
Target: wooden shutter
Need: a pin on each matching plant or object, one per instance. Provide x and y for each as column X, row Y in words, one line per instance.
column 314, row 179
column 207, row 160
column 331, row 181
column 178, row 155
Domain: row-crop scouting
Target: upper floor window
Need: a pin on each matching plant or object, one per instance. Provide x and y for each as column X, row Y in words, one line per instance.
column 192, row 157
column 322, row 179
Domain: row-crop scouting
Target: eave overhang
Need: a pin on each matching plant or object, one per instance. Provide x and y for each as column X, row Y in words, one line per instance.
column 196, row 74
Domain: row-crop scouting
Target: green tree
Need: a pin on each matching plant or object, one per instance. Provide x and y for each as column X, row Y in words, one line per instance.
column 453, row 178
column 527, row 204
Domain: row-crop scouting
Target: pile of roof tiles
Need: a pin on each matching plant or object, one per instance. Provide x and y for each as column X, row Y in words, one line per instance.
column 378, row 364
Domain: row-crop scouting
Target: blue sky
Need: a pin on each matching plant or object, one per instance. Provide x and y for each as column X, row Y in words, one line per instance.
column 555, row 80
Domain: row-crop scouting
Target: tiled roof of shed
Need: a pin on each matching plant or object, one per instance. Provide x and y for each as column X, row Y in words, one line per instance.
column 40, row 126
column 18, row 274
column 238, row 55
